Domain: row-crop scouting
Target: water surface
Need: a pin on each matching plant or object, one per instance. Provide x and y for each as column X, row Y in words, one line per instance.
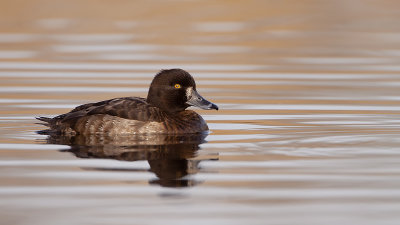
column 307, row 132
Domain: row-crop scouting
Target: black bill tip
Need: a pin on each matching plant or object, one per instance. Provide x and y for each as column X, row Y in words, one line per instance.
column 214, row 106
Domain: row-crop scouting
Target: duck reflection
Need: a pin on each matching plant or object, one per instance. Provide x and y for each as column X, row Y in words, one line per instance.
column 171, row 157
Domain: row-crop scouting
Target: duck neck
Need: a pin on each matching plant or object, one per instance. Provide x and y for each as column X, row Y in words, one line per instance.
column 156, row 101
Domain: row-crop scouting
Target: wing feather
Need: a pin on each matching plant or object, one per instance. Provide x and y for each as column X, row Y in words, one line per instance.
column 133, row 108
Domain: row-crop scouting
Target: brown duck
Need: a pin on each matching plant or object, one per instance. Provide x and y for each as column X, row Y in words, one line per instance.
column 162, row 112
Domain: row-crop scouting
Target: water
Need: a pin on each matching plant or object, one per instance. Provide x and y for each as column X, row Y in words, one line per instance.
column 307, row 131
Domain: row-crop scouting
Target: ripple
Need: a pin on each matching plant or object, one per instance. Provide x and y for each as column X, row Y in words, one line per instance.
column 203, row 74
column 92, row 38
column 341, row 60
column 55, row 23
column 119, row 66
column 100, row 163
column 71, row 89
column 239, row 137
column 47, row 106
column 80, row 74
column 31, row 147
column 105, row 48
column 13, row 100
column 17, row 54
column 211, row 192
column 96, row 175
column 219, row 26
column 283, row 116
column 238, row 126
column 209, row 49
column 17, row 37
column 311, row 107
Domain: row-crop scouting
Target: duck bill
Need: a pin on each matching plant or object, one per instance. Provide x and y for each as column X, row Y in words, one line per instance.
column 195, row 99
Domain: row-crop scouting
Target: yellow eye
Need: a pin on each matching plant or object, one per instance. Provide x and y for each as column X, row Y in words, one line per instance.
column 177, row 86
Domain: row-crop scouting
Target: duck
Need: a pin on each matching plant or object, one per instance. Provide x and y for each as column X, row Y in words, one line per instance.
column 164, row 111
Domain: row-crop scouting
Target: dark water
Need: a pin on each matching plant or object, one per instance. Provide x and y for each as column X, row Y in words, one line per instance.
column 307, row 132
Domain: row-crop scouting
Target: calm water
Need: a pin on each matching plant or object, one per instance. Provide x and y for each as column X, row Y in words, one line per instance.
column 308, row 130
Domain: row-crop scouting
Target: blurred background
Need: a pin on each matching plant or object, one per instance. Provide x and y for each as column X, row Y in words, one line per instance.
column 306, row 35
column 307, row 131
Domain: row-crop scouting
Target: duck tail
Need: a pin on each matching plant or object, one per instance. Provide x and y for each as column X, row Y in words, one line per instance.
column 47, row 121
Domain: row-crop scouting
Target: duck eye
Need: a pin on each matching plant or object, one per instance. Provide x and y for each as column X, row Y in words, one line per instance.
column 177, row 86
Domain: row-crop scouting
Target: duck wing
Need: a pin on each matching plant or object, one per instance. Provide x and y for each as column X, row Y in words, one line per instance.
column 133, row 108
